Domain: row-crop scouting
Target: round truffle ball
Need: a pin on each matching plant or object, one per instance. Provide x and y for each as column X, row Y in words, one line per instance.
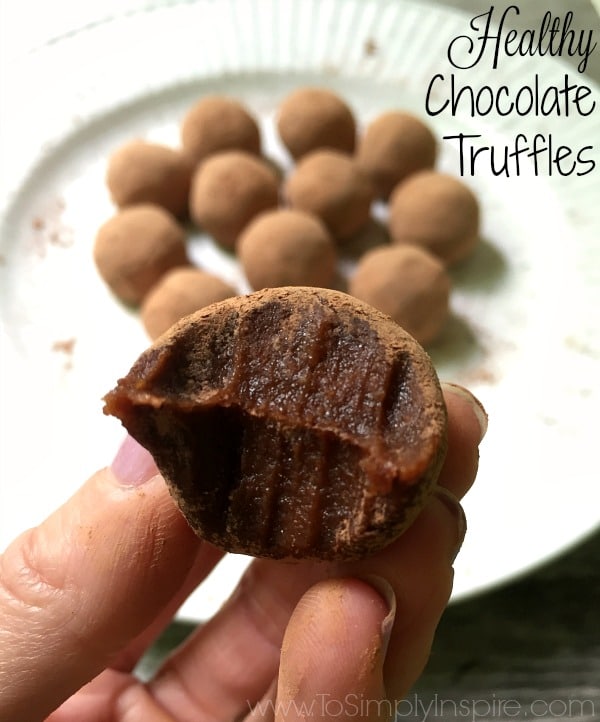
column 228, row 190
column 312, row 118
column 142, row 172
column 408, row 284
column 437, row 212
column 136, row 247
column 179, row 293
column 392, row 147
column 330, row 185
column 287, row 247
column 217, row 123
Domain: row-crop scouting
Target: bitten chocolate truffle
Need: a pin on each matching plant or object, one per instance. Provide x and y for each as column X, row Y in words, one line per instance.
column 393, row 146
column 142, row 172
column 228, row 190
column 408, row 284
column 437, row 212
column 179, row 293
column 313, row 118
column 286, row 247
column 330, row 185
column 136, row 247
column 217, row 123
column 293, row 422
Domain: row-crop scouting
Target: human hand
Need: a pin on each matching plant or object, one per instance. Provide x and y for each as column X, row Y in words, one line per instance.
column 85, row 593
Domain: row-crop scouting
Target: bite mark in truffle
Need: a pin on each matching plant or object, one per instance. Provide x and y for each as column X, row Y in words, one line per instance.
column 294, row 422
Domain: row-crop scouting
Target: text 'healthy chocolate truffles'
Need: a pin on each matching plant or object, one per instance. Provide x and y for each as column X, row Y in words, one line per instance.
column 314, row 118
column 136, row 247
column 294, row 422
column 286, row 247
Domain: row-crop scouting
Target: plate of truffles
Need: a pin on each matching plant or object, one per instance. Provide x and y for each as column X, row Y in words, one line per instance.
column 304, row 144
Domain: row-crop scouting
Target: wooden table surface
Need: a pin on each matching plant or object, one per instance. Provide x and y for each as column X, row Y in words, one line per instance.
column 530, row 649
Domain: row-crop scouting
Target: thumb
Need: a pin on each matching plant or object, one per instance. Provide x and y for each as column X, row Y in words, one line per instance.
column 77, row 588
column 333, row 652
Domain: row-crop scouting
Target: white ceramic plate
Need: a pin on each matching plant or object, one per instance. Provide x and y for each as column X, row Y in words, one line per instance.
column 523, row 335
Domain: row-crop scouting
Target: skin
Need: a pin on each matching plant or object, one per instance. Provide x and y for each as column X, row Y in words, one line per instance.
column 85, row 593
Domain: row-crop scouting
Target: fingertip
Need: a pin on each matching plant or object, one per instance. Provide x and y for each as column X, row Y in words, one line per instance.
column 467, row 425
column 336, row 641
column 133, row 465
column 463, row 402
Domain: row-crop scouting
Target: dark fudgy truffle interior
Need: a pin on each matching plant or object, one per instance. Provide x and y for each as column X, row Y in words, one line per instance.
column 282, row 431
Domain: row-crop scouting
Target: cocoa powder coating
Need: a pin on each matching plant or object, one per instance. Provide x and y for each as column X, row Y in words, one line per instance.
column 287, row 247
column 293, row 422
column 228, row 190
column 393, row 146
column 217, row 123
column 179, row 293
column 142, row 172
column 437, row 212
column 408, row 284
column 330, row 185
column 135, row 247
column 313, row 118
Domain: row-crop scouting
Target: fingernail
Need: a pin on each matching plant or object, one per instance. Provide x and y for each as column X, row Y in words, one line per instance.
column 455, row 508
column 133, row 465
column 386, row 590
column 475, row 404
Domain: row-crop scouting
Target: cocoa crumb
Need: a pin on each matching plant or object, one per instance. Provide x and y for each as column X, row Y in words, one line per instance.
column 370, row 47
column 64, row 346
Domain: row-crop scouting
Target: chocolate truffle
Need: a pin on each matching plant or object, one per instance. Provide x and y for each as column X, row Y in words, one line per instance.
column 293, row 422
column 312, row 118
column 437, row 212
column 392, row 147
column 286, row 247
column 330, row 185
column 217, row 123
column 228, row 190
column 408, row 284
column 179, row 293
column 142, row 172
column 136, row 247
